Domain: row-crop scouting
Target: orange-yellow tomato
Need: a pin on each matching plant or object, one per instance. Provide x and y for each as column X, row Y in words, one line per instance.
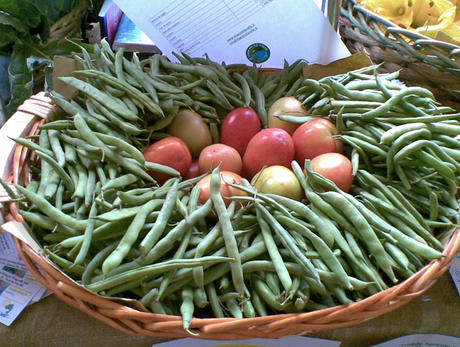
column 192, row 129
column 278, row 180
column 287, row 106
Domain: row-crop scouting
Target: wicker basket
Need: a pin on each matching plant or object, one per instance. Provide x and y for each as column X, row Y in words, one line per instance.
column 421, row 60
column 135, row 320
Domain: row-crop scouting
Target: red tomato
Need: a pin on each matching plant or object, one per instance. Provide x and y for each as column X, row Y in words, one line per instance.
column 336, row 167
column 213, row 155
column 239, row 126
column 194, row 170
column 170, row 151
column 226, row 177
column 271, row 146
column 316, row 137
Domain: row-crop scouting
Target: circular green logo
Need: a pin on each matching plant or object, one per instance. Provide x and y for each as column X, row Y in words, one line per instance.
column 257, row 53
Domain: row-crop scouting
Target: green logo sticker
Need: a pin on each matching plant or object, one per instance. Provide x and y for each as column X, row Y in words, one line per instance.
column 257, row 53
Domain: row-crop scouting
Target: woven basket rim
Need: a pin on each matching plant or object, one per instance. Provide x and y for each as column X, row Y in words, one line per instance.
column 392, row 27
column 135, row 321
column 389, row 35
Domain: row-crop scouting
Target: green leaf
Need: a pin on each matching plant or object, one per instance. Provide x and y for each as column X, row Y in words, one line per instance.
column 21, row 78
column 7, row 35
column 7, row 19
column 23, row 10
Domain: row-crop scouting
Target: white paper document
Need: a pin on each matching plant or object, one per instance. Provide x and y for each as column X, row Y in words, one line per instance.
column 265, row 32
column 18, row 288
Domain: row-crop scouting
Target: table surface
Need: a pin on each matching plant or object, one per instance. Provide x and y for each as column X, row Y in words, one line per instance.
column 50, row 322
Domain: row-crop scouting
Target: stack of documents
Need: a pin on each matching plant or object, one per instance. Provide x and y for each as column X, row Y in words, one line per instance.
column 18, row 287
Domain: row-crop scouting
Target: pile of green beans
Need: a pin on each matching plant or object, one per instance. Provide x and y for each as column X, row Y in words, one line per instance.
column 401, row 134
column 139, row 99
column 106, row 223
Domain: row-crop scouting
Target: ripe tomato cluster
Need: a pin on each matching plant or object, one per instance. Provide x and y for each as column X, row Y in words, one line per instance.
column 246, row 150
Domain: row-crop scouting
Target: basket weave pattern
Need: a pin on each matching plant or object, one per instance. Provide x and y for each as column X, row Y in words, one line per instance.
column 421, row 60
column 136, row 321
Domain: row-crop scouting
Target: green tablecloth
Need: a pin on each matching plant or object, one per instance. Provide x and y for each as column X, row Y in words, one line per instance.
column 51, row 322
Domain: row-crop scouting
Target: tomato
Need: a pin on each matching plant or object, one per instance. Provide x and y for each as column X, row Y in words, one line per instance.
column 170, row 151
column 226, row 177
column 194, row 170
column 192, row 129
column 271, row 146
column 239, row 126
column 287, row 105
column 213, row 155
column 316, row 137
column 336, row 167
column 278, row 180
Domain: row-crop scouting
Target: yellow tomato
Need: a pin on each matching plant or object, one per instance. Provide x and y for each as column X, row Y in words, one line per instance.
column 192, row 129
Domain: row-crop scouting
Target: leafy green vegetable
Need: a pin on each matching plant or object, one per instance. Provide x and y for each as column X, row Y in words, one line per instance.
column 24, row 35
column 21, row 85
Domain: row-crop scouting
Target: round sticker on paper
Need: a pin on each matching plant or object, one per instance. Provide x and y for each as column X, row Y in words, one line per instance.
column 257, row 53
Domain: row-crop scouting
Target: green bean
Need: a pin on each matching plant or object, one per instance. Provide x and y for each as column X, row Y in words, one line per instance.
column 111, row 103
column 70, row 153
column 364, row 228
column 128, row 239
column 200, row 298
column 167, row 278
column 158, row 229
column 245, row 88
column 275, row 256
column 152, row 270
column 368, row 147
column 193, row 69
column 397, row 119
column 326, row 254
column 303, row 210
column 445, row 128
column 166, row 243
column 395, row 197
column 122, row 145
column 405, row 241
column 401, row 141
column 56, row 147
column 96, row 261
column 207, row 241
column 88, row 235
column 127, row 127
column 150, row 297
column 64, row 264
column 88, row 135
column 289, row 243
column 121, row 182
column 129, row 89
column 267, row 295
column 227, row 231
column 392, row 134
column 187, row 308
column 80, row 188
column 48, row 209
column 151, row 166
column 91, row 188
column 52, row 185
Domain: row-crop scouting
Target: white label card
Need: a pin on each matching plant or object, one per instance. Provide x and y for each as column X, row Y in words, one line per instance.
column 265, row 32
